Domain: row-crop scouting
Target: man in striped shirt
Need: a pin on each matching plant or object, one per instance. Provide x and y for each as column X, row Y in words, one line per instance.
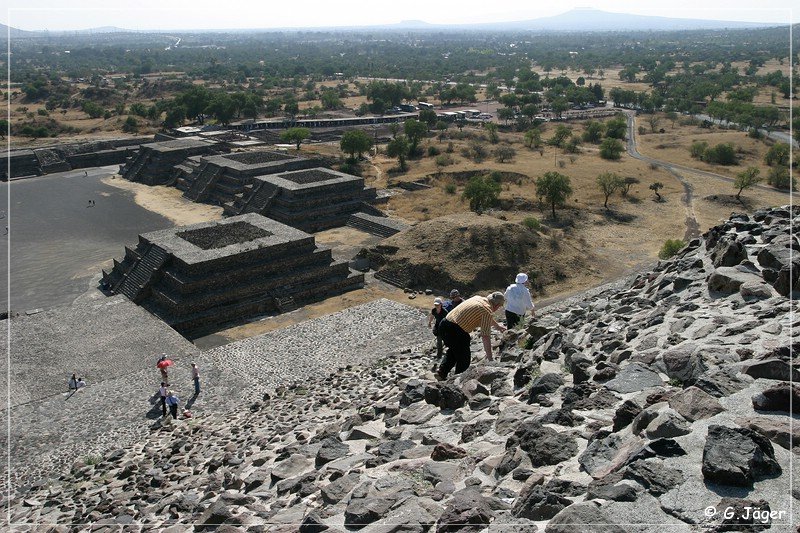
column 460, row 322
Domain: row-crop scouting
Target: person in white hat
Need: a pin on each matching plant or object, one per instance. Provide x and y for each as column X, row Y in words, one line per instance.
column 435, row 318
column 518, row 300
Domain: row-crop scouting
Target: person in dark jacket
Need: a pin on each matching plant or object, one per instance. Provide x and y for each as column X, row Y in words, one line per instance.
column 435, row 318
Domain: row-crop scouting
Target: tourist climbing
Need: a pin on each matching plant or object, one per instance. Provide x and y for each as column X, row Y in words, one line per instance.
column 518, row 301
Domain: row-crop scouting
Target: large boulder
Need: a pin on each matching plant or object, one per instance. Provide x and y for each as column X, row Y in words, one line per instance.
column 545, row 384
column 634, row 378
column 466, row 511
column 737, row 456
column 728, row 252
column 683, row 363
column 539, row 504
column 728, row 280
column 695, row 404
column 781, row 397
column 544, row 446
column 583, row 517
column 771, row 369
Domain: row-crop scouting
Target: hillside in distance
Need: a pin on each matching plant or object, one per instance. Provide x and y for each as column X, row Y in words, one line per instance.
column 581, row 19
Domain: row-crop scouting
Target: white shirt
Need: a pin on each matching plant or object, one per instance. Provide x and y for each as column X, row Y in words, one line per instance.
column 518, row 299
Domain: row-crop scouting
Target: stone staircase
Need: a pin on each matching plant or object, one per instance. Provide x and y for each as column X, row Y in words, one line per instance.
column 135, row 283
column 413, row 185
column 375, row 225
column 391, row 280
column 256, row 199
column 130, row 171
column 285, row 304
column 203, row 183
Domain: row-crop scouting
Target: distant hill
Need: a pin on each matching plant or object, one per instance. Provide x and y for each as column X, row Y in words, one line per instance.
column 588, row 19
column 15, row 33
column 583, row 19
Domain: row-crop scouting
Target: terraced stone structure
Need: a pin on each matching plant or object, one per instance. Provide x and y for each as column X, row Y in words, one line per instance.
column 222, row 179
column 199, row 277
column 315, row 199
column 154, row 163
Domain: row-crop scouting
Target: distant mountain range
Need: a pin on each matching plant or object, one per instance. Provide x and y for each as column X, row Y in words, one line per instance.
column 583, row 19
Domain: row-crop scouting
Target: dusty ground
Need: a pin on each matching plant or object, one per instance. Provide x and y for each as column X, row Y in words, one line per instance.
column 168, row 202
column 673, row 145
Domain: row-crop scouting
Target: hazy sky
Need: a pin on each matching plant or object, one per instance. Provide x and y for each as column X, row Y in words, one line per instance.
column 223, row 14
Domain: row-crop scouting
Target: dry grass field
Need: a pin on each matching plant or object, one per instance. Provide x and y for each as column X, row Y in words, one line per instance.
column 673, row 145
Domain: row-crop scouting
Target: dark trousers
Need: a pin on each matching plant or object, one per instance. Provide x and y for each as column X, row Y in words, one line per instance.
column 197, row 385
column 163, row 406
column 457, row 342
column 173, row 410
column 512, row 319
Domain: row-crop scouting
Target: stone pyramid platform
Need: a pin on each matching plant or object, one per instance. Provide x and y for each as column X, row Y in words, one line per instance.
column 197, row 278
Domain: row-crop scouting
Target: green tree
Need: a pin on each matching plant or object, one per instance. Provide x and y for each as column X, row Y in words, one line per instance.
column 627, row 183
column 176, row 114
column 779, row 178
column 617, row 127
column 698, row 149
column 415, row 131
column 609, row 183
column 777, row 155
column 746, row 179
column 222, row 107
column 560, row 136
column 594, row 132
column 296, row 135
column 195, row 101
column 504, row 153
column 482, row 192
column 355, row 141
column 672, row 116
column 3, row 128
column 611, row 149
column 491, row 129
column 721, row 154
column 655, row 187
column 428, row 116
column 533, row 138
column 398, row 147
column 554, row 188
column 131, row 125
column 330, row 99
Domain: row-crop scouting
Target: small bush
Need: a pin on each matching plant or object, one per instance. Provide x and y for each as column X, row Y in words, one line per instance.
column 779, row 178
column 433, row 151
column 532, row 223
column 670, row 248
column 450, row 188
column 42, row 113
column 444, row 160
column 450, row 148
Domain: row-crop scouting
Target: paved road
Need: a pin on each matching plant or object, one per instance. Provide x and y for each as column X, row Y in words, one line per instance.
column 57, row 244
column 780, row 136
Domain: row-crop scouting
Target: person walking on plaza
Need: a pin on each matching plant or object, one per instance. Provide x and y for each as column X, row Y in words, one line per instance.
column 162, row 394
column 437, row 315
column 73, row 383
column 172, row 402
column 518, row 301
column 454, row 301
column 196, row 378
column 460, row 322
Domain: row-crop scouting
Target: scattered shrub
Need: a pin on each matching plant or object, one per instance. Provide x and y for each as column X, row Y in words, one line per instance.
column 532, row 223
column 450, row 188
column 433, row 151
column 670, row 248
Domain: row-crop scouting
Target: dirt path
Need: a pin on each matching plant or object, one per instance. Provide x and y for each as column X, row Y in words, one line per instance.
column 692, row 226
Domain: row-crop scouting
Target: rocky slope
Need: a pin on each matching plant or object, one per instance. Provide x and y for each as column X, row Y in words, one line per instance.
column 661, row 406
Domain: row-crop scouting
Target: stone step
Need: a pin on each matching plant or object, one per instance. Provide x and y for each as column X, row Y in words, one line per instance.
column 391, row 280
